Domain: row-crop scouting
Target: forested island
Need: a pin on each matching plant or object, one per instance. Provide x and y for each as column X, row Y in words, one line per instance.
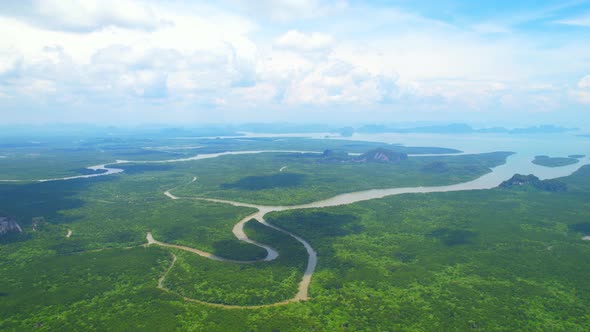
column 379, row 155
column 554, row 161
column 531, row 181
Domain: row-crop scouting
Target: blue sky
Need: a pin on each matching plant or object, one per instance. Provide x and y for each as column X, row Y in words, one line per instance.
column 194, row 62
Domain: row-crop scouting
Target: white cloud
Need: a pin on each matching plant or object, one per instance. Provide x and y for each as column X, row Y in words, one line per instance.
column 582, row 21
column 39, row 87
column 195, row 57
column 331, row 81
column 584, row 83
column 145, row 83
column 296, row 40
column 281, row 65
column 10, row 60
column 260, row 94
column 95, row 53
column 89, row 15
column 582, row 94
column 289, row 10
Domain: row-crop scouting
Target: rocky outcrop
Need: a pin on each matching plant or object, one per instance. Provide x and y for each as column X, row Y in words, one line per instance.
column 381, row 155
column 519, row 180
column 8, row 225
column 378, row 155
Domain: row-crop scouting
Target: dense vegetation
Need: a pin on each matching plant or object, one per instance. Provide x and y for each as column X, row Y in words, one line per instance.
column 501, row 259
column 117, row 211
column 52, row 157
column 242, row 284
column 484, row 260
column 308, row 177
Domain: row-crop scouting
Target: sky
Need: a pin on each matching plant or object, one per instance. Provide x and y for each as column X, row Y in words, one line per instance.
column 335, row 61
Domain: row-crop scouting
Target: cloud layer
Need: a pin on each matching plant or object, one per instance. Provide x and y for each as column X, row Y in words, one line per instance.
column 281, row 60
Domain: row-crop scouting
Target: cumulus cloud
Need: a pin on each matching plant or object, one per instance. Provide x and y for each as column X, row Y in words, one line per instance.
column 296, row 40
column 261, row 94
column 145, row 83
column 163, row 73
column 107, row 54
column 324, row 81
column 196, row 58
column 86, row 15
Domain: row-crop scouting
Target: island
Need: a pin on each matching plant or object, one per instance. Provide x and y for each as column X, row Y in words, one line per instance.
column 378, row 155
column 554, row 161
column 531, row 181
column 8, row 225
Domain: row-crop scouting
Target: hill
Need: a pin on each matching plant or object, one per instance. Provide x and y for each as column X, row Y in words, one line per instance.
column 519, row 180
column 382, row 155
column 8, row 225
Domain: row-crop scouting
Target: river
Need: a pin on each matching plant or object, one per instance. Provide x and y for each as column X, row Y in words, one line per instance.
column 526, row 148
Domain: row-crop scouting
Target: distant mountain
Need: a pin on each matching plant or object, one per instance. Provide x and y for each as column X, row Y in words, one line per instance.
column 545, row 129
column 286, row 128
column 199, row 132
column 375, row 129
column 455, row 128
column 493, row 130
column 461, row 128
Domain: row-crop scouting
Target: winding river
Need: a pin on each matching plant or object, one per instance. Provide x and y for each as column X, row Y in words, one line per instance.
column 104, row 169
column 518, row 163
column 492, row 179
